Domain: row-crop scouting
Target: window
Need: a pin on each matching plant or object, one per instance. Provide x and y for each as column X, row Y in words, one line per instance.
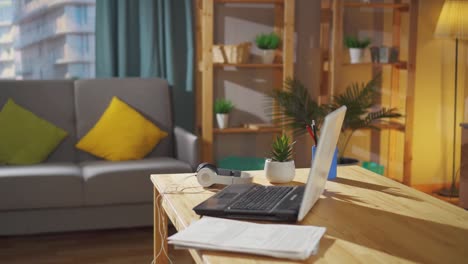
column 81, row 15
column 85, row 46
column 53, row 45
column 6, row 13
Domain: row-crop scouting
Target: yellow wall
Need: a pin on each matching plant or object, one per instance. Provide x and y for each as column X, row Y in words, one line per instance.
column 433, row 98
column 433, row 127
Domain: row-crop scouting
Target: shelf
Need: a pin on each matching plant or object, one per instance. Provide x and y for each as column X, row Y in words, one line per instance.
column 243, row 130
column 281, row 69
column 401, row 18
column 248, row 65
column 401, row 7
column 391, row 126
column 251, row 1
column 400, row 65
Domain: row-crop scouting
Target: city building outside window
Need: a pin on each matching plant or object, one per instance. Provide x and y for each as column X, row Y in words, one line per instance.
column 45, row 39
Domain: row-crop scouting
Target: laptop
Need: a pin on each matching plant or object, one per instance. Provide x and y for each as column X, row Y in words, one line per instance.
column 279, row 203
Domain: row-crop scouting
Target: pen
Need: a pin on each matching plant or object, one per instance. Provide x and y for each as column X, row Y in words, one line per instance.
column 314, row 127
column 309, row 129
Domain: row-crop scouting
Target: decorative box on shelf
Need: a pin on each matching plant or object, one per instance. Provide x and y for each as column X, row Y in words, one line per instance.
column 384, row 54
column 232, row 54
column 258, row 125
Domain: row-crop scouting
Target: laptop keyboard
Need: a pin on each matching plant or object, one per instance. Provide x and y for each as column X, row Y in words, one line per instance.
column 262, row 198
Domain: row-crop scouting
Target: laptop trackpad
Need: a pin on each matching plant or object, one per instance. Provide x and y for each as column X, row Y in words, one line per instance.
column 228, row 195
column 221, row 200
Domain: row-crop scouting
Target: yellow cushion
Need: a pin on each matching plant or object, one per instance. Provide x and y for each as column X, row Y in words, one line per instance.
column 121, row 134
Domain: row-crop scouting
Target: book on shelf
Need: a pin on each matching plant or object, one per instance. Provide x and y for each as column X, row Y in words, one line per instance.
column 257, row 126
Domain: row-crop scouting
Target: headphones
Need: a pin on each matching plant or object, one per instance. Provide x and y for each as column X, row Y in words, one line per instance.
column 208, row 174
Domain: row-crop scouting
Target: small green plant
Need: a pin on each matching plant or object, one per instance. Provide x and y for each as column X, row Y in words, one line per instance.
column 223, row 106
column 354, row 42
column 267, row 41
column 282, row 149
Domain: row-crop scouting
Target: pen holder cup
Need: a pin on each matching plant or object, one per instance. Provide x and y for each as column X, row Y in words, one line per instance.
column 332, row 172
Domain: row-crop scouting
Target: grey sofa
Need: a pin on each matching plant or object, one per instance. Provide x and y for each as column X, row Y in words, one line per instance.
column 73, row 190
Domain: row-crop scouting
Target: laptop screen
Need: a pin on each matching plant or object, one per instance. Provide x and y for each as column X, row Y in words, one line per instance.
column 330, row 131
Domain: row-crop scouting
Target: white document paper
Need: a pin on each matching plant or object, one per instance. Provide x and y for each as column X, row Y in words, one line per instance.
column 282, row 241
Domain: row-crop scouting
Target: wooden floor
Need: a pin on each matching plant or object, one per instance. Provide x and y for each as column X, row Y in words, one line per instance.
column 99, row 247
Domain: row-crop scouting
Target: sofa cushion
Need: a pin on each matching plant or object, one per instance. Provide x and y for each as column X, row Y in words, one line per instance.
column 121, row 134
column 51, row 100
column 26, row 138
column 107, row 182
column 150, row 97
column 40, row 186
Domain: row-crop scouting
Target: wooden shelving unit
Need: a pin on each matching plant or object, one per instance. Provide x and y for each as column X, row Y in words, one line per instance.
column 393, row 126
column 249, row 65
column 284, row 26
column 251, row 1
column 243, row 130
column 332, row 30
column 402, row 65
column 400, row 6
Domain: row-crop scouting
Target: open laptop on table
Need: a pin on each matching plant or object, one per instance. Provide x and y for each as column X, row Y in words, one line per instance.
column 280, row 203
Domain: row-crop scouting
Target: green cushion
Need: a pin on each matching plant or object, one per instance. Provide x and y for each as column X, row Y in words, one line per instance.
column 372, row 166
column 24, row 137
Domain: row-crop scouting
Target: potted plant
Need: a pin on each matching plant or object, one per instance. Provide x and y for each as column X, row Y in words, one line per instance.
column 279, row 168
column 297, row 110
column 222, row 108
column 360, row 100
column 356, row 48
column 268, row 43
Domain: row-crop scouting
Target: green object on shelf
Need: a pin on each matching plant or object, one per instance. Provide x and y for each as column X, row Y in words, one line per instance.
column 242, row 163
column 374, row 167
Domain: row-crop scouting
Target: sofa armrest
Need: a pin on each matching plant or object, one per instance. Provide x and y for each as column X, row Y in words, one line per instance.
column 186, row 146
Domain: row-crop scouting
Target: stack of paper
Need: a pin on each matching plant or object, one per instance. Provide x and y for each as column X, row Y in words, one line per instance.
column 281, row 241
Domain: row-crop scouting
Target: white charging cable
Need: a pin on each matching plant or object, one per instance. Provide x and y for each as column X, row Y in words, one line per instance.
column 161, row 219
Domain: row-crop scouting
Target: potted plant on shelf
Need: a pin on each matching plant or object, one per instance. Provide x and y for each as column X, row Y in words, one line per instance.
column 268, row 43
column 222, row 108
column 356, row 48
column 279, row 168
column 297, row 110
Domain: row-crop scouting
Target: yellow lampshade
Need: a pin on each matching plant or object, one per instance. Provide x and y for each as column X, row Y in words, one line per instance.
column 453, row 20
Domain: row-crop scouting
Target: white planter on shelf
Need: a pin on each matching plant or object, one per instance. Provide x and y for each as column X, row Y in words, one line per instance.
column 279, row 172
column 222, row 120
column 268, row 56
column 356, row 55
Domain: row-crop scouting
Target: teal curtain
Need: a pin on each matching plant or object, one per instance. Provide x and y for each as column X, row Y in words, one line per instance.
column 149, row 38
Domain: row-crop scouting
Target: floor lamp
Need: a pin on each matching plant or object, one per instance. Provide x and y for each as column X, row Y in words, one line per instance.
column 453, row 24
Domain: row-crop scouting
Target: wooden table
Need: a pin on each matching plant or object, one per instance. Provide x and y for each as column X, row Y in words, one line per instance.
column 369, row 219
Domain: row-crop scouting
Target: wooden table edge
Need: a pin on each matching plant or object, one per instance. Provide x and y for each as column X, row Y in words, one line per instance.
column 199, row 258
column 429, row 197
column 178, row 223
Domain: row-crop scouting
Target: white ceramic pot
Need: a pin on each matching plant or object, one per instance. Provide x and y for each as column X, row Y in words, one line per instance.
column 268, row 56
column 356, row 55
column 279, row 172
column 223, row 120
